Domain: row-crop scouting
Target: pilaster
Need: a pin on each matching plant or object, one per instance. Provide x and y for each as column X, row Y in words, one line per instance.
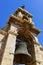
column 8, row 55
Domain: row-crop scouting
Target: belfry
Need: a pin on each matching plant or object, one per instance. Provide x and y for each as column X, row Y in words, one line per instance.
column 18, row 41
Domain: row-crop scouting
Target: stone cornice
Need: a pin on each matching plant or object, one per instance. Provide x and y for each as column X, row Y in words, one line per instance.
column 19, row 21
column 35, row 30
column 23, row 11
column 41, row 48
column 23, row 23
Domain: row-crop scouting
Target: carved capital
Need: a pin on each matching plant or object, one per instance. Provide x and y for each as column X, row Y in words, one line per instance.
column 12, row 32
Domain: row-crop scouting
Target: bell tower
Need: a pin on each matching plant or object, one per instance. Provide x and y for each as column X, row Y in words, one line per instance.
column 19, row 43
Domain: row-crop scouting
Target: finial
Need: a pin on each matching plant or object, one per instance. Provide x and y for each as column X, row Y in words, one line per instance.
column 23, row 6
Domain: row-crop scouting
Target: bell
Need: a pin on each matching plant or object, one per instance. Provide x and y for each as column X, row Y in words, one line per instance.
column 21, row 54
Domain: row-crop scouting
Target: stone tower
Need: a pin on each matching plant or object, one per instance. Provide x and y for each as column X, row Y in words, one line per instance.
column 20, row 25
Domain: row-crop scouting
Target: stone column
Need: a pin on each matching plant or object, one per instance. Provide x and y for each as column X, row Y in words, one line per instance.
column 8, row 55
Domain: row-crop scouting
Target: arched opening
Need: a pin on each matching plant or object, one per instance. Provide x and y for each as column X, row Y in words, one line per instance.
column 22, row 37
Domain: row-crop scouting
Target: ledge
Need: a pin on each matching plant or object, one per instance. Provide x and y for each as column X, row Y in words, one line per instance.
column 3, row 32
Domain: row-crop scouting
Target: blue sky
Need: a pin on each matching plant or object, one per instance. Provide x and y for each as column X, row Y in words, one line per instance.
column 35, row 7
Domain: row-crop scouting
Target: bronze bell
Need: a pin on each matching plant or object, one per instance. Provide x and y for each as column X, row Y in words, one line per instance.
column 21, row 54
